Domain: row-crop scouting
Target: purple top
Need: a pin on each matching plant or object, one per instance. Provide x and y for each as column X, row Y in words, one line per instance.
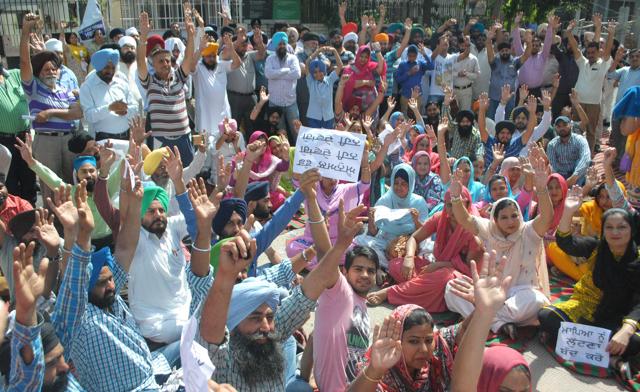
column 532, row 71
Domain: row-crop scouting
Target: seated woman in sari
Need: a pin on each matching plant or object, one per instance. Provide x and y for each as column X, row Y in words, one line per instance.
column 267, row 168
column 404, row 212
column 408, row 354
column 428, row 184
column 521, row 242
column 421, row 282
column 329, row 194
column 498, row 187
column 608, row 297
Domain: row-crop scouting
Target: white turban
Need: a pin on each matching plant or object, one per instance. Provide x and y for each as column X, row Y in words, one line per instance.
column 350, row 37
column 54, row 45
column 127, row 40
column 131, row 31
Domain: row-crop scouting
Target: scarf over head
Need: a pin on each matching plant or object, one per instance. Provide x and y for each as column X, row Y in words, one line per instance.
column 475, row 188
column 265, row 162
column 249, row 296
column 358, row 71
column 101, row 58
column 99, row 259
column 152, row 193
column 227, row 208
column 434, row 158
column 497, row 362
column 487, row 190
column 558, row 209
column 435, row 376
column 393, row 119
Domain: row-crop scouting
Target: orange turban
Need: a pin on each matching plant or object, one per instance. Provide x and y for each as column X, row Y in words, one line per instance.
column 381, row 37
column 210, row 49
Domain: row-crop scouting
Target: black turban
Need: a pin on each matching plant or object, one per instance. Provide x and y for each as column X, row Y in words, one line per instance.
column 227, row 208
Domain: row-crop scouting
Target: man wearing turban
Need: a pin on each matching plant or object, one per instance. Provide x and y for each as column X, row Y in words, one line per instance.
column 210, row 78
column 67, row 79
column 107, row 102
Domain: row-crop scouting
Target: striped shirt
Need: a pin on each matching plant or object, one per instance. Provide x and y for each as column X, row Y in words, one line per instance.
column 13, row 104
column 283, row 77
column 290, row 315
column 570, row 158
column 166, row 103
column 42, row 98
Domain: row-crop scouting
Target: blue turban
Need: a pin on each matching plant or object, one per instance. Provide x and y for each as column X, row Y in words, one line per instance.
column 256, row 191
column 99, row 259
column 83, row 159
column 276, row 39
column 478, row 27
column 629, row 104
column 317, row 64
column 393, row 120
column 412, row 49
column 227, row 208
column 101, row 58
column 249, row 296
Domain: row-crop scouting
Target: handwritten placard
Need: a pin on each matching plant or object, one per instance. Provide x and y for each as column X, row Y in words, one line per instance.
column 583, row 343
column 337, row 154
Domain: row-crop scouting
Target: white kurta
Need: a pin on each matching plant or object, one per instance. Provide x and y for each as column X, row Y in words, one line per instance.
column 212, row 104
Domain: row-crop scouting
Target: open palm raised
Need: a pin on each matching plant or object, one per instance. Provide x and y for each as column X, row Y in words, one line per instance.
column 386, row 350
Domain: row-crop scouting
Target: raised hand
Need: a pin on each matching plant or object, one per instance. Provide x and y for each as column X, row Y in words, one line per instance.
column 408, row 23
column 391, row 102
column 483, row 101
column 443, row 126
column 463, row 287
column 523, row 91
column 342, row 9
column 506, row 94
column 539, row 168
column 308, row 182
column 63, row 207
column 554, row 21
column 413, row 104
column 386, row 350
column 173, row 164
column 609, row 156
column 204, row 207
column 85, row 217
column 145, row 25
column 28, row 284
column 224, row 174
column 556, row 80
column 490, row 288
column 518, row 18
column 137, row 126
column 532, row 104
column 255, row 150
column 26, row 149
column 611, row 27
column 264, row 97
column 546, row 99
column 592, row 177
column 107, row 157
column 498, row 152
column 574, row 199
column 571, row 26
column 46, row 233
column 456, row 187
column 448, row 96
column 29, row 21
column 367, row 121
column 596, row 18
column 349, row 224
column 236, row 255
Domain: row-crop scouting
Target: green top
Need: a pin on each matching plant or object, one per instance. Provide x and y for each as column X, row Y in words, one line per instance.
column 52, row 180
column 13, row 104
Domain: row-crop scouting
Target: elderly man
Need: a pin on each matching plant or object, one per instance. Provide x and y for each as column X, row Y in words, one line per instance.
column 244, row 326
column 283, row 71
column 91, row 319
column 128, row 68
column 67, row 79
column 165, row 91
column 53, row 107
column 107, row 101
column 210, row 78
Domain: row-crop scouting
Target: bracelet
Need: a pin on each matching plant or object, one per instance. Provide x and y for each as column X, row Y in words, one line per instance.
column 315, row 222
column 194, row 247
column 456, row 199
column 304, row 256
column 630, row 322
column 64, row 250
column 364, row 373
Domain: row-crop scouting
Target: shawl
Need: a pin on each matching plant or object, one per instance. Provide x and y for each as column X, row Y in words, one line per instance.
column 435, row 376
column 475, row 188
column 524, row 249
column 430, row 186
column 450, row 243
column 356, row 72
column 497, row 362
column 433, row 157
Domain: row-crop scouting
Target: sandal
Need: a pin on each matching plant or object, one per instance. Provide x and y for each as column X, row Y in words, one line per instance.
column 622, row 368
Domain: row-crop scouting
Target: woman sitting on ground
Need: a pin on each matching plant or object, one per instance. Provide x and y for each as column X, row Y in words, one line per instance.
column 422, row 282
column 608, row 296
column 508, row 234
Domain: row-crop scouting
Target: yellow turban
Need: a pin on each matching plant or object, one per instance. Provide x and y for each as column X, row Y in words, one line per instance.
column 381, row 37
column 153, row 159
column 210, row 49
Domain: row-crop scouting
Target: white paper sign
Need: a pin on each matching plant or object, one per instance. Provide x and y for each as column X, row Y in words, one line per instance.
column 383, row 212
column 196, row 365
column 583, row 343
column 91, row 21
column 337, row 154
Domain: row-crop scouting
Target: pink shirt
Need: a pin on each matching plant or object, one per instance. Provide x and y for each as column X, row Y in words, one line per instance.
column 341, row 336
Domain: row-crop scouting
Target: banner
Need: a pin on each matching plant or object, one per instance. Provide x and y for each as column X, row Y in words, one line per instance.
column 337, row 154
column 91, row 21
column 583, row 343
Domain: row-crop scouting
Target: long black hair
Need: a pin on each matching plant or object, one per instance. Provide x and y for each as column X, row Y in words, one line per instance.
column 609, row 274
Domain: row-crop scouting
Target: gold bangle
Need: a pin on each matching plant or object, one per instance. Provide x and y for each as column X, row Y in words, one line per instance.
column 364, row 373
column 456, row 199
column 630, row 322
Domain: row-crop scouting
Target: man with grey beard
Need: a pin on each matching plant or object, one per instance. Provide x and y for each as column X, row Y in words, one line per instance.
column 244, row 325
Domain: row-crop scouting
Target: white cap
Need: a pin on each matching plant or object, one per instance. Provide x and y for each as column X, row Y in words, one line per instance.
column 131, row 31
column 127, row 40
column 54, row 45
column 350, row 37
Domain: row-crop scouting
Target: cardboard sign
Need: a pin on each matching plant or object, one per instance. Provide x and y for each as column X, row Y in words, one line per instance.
column 337, row 154
column 583, row 343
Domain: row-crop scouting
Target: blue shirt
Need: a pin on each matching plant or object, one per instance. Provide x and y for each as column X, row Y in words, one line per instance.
column 512, row 150
column 627, row 77
column 25, row 377
column 321, row 97
column 503, row 73
column 407, row 81
column 264, row 237
column 68, row 79
column 571, row 158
